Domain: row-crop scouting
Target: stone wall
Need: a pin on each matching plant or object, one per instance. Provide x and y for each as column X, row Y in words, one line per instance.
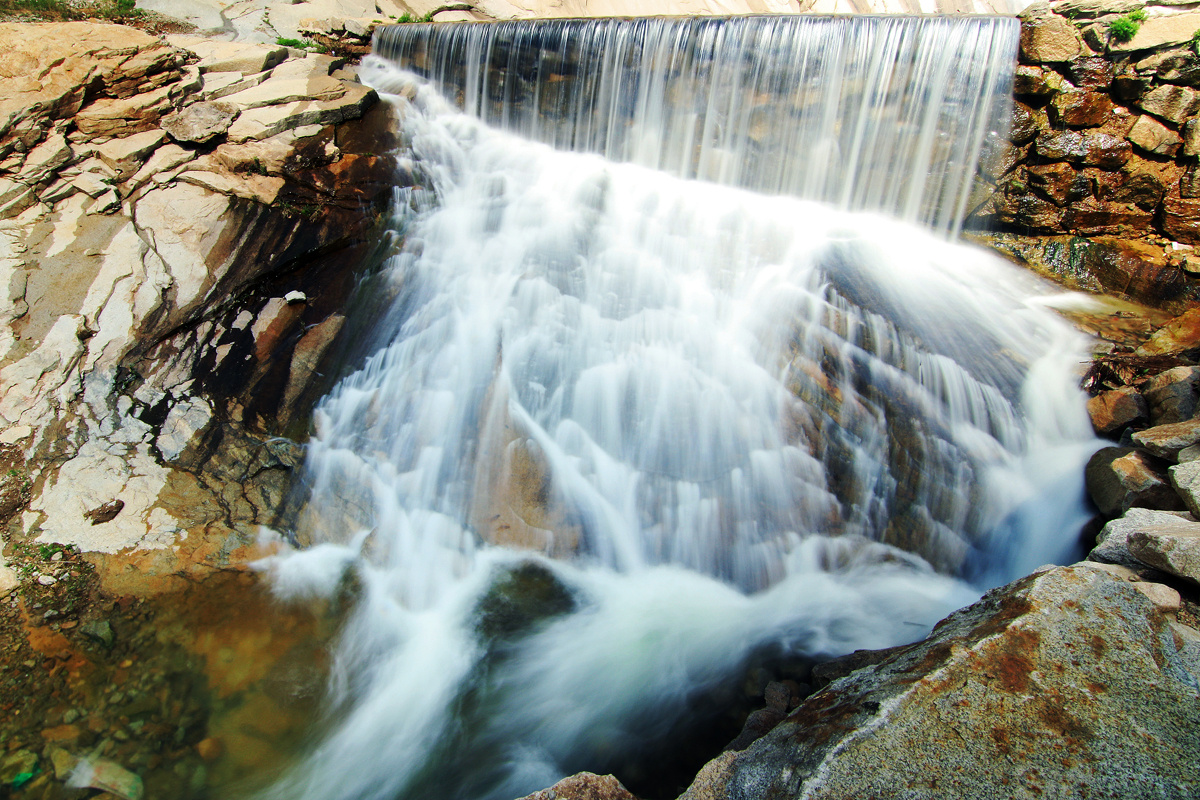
column 1105, row 144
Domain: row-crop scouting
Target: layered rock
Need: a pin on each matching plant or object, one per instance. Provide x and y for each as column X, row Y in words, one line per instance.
column 168, row 221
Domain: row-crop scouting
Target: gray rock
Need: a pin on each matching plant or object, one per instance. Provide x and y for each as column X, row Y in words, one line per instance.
column 1165, row 441
column 200, row 122
column 1174, row 551
column 1068, row 683
column 1185, row 478
column 1112, row 545
column 1172, row 395
column 99, row 631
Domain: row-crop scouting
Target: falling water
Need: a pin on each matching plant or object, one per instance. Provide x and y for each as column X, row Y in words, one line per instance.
column 738, row 423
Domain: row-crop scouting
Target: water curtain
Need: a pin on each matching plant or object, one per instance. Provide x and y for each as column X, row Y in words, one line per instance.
column 865, row 113
column 645, row 325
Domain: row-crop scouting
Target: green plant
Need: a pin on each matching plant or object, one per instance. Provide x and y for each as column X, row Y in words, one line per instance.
column 1196, row 42
column 1125, row 28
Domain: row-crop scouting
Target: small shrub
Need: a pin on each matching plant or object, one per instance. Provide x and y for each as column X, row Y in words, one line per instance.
column 1196, row 42
column 1124, row 28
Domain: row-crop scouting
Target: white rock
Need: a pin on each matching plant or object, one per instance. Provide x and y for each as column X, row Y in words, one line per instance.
column 126, row 155
column 292, row 298
column 184, row 421
column 46, row 580
column 8, row 580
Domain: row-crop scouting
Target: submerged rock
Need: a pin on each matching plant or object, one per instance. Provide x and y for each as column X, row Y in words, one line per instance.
column 1029, row 692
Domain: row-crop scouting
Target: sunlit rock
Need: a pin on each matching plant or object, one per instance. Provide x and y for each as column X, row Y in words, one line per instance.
column 1024, row 690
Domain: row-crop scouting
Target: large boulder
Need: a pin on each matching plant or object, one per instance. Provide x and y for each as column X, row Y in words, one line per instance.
column 1068, row 682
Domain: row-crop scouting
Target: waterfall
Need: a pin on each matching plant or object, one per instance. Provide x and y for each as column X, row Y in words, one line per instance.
column 655, row 383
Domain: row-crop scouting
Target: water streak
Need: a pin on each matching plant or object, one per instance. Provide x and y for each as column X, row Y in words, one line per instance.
column 867, row 113
column 741, row 423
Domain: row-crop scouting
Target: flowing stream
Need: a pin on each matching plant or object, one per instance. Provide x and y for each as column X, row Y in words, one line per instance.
column 675, row 369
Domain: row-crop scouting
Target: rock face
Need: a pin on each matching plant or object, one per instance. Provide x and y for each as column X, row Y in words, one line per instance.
column 1103, row 141
column 147, row 354
column 1068, row 682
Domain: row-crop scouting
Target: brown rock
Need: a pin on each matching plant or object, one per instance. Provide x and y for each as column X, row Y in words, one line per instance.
column 1191, row 138
column 1173, row 66
column 62, row 733
column 1181, row 333
column 1130, row 88
column 1158, row 32
column 126, row 155
column 1154, row 137
column 1080, row 109
column 48, row 69
column 1090, row 9
column 1029, row 211
column 307, row 357
column 1091, row 72
column 1181, row 219
column 584, row 786
column 1049, row 39
column 1058, row 181
column 105, row 513
column 1091, row 148
column 210, row 749
column 1139, row 182
column 1105, row 218
column 1024, row 125
column 1121, row 478
column 1116, row 409
column 125, row 116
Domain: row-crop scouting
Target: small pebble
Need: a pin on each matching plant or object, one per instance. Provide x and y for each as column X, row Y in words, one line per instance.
column 46, row 580
column 57, row 556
